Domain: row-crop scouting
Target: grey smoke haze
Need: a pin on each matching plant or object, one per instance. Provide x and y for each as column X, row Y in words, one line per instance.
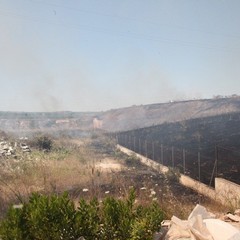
column 94, row 62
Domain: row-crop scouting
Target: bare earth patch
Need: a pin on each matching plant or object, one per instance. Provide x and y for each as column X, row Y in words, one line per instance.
column 109, row 165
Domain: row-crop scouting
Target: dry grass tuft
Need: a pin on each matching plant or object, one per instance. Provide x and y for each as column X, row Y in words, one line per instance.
column 87, row 168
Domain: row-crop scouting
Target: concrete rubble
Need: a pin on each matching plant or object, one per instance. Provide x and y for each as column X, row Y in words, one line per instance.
column 233, row 219
column 200, row 225
column 6, row 148
column 25, row 147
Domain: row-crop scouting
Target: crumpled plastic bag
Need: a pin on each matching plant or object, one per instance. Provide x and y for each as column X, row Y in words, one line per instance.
column 193, row 229
column 201, row 225
column 179, row 230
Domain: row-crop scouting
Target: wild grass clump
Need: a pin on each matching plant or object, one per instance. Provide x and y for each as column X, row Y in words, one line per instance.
column 55, row 217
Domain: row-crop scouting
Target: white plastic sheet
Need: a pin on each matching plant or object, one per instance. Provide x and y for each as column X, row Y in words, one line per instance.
column 201, row 226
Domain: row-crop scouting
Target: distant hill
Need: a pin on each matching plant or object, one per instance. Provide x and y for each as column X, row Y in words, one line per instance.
column 154, row 114
column 28, row 122
column 122, row 119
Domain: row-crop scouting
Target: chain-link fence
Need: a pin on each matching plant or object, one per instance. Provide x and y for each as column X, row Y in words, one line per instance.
column 201, row 164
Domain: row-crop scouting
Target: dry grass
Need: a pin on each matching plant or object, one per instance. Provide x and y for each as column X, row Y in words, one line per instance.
column 87, row 168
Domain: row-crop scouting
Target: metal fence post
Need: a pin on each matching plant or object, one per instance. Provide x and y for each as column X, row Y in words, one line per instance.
column 161, row 154
column 153, row 155
column 134, row 144
column 199, row 166
column 184, row 162
column 146, row 152
column 139, row 145
column 173, row 157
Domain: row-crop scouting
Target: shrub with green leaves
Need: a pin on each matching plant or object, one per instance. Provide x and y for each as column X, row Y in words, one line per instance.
column 43, row 217
column 87, row 221
column 118, row 217
column 55, row 217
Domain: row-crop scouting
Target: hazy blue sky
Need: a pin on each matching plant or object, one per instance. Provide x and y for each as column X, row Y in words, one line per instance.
column 93, row 55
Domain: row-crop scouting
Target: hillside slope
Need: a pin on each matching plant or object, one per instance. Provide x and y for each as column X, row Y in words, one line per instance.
column 148, row 115
column 118, row 119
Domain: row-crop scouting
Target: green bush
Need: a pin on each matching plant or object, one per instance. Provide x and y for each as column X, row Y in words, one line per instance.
column 54, row 217
column 87, row 221
column 43, row 217
column 117, row 217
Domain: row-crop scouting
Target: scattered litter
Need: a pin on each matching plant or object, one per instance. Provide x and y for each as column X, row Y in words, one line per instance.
column 18, row 206
column 200, row 225
column 25, row 147
column 232, row 217
column 107, row 192
column 221, row 230
column 237, row 212
column 6, row 149
column 152, row 192
column 200, row 210
column 85, row 190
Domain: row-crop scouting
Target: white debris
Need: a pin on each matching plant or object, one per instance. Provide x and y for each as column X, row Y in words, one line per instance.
column 152, row 192
column 200, row 210
column 221, row 230
column 18, row 206
column 237, row 212
column 201, row 225
column 25, row 147
column 234, row 218
column 6, row 149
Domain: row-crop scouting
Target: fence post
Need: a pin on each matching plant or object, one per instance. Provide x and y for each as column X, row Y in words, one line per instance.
column 184, row 162
column 162, row 154
column 153, row 155
column 125, row 140
column 139, row 145
column 199, row 167
column 173, row 157
column 130, row 142
column 216, row 159
column 146, row 152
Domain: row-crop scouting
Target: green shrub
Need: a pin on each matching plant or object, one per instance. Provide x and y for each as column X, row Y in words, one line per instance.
column 12, row 227
column 42, row 217
column 117, row 217
column 54, row 217
column 147, row 222
column 87, row 221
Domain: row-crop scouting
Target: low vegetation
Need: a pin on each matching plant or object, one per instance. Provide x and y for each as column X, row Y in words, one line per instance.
column 55, row 217
column 74, row 189
column 42, row 142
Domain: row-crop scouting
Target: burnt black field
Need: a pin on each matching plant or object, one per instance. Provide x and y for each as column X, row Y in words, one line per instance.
column 202, row 148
